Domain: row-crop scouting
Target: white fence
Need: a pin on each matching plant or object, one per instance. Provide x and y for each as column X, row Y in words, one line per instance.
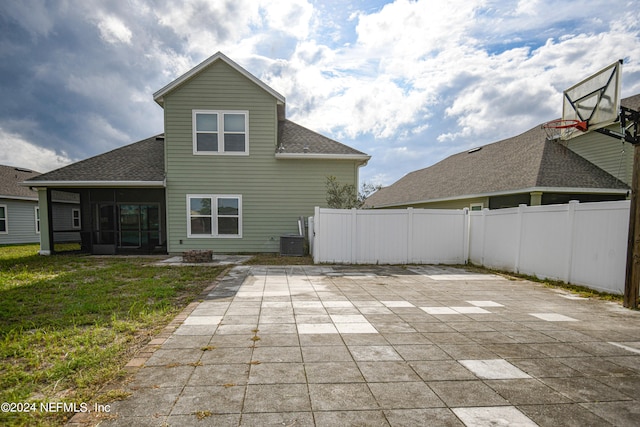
column 584, row 244
column 577, row 243
column 390, row 236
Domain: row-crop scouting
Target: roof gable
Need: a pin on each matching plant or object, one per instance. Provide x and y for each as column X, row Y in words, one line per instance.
column 159, row 95
column 10, row 179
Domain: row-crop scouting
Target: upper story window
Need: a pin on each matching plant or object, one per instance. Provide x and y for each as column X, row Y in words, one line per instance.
column 220, row 132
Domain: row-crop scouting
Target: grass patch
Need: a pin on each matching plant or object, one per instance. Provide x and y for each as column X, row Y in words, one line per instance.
column 69, row 323
column 582, row 291
column 276, row 259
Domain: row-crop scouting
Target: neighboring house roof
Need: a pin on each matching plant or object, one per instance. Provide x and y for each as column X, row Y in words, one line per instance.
column 134, row 165
column 10, row 179
column 527, row 162
column 159, row 95
column 295, row 141
column 632, row 102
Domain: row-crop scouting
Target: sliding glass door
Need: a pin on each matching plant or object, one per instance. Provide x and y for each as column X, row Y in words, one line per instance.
column 127, row 225
column 139, row 225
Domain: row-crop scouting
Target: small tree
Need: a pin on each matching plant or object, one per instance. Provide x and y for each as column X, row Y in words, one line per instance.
column 345, row 196
column 365, row 191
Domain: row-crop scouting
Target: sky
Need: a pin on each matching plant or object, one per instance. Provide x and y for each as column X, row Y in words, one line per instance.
column 407, row 82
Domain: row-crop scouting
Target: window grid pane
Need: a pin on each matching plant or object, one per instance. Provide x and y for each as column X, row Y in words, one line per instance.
column 234, row 123
column 200, row 206
column 228, row 226
column 207, row 142
column 234, row 142
column 206, row 122
column 227, row 206
column 201, row 225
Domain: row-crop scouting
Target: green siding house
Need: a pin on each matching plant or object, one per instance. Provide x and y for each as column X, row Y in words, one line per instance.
column 230, row 173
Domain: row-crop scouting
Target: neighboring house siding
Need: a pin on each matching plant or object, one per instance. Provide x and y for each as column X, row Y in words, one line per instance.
column 63, row 222
column 275, row 192
column 21, row 222
column 605, row 152
column 450, row 204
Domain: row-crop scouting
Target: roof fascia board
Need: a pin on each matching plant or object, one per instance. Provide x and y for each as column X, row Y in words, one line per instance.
column 4, row 196
column 72, row 184
column 313, row 156
column 579, row 190
column 159, row 95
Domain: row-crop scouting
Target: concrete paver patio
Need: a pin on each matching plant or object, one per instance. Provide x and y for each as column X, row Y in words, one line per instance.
column 423, row 345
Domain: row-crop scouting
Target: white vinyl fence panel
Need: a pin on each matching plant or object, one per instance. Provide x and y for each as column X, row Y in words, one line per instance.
column 585, row 244
column 390, row 236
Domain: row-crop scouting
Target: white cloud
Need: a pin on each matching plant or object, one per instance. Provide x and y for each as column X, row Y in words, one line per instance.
column 16, row 151
column 209, row 27
column 289, row 16
column 113, row 30
column 391, row 79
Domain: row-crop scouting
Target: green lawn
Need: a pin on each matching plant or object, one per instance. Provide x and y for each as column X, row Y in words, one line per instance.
column 69, row 323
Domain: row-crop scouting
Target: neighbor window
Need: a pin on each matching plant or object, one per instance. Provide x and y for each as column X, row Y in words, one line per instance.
column 4, row 223
column 220, row 132
column 75, row 218
column 476, row 206
column 37, row 216
column 211, row 215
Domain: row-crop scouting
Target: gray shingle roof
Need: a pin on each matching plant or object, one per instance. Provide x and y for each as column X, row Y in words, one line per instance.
column 11, row 177
column 296, row 139
column 525, row 161
column 140, row 161
column 632, row 102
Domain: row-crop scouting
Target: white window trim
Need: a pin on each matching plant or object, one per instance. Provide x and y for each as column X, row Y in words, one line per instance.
column 214, row 216
column 475, row 205
column 36, row 216
column 220, row 132
column 73, row 217
column 5, row 219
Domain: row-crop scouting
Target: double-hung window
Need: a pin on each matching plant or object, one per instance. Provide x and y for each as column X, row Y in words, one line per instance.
column 75, row 218
column 214, row 215
column 220, row 132
column 4, row 220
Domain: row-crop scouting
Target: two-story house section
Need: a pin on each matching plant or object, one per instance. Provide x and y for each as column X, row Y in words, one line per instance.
column 230, row 173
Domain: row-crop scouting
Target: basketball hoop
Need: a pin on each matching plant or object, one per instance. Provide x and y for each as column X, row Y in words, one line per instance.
column 563, row 128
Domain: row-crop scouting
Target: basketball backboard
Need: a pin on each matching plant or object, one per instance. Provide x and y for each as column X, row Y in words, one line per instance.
column 594, row 100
